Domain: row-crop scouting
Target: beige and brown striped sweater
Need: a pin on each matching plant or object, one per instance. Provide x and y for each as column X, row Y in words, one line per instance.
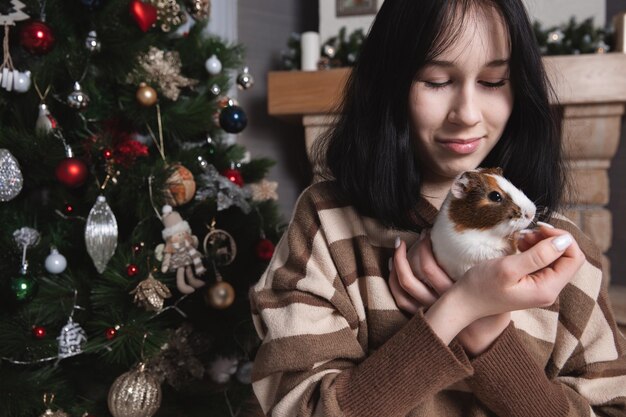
column 335, row 344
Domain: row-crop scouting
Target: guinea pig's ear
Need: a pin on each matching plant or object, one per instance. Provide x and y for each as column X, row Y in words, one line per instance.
column 493, row 171
column 459, row 187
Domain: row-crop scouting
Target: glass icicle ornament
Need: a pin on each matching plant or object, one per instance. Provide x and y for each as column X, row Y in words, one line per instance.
column 11, row 179
column 45, row 122
column 101, row 233
column 136, row 393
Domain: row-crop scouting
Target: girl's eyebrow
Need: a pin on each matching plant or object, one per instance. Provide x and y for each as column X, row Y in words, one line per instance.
column 448, row 64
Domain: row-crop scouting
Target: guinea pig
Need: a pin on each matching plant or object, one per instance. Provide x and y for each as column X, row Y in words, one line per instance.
column 479, row 220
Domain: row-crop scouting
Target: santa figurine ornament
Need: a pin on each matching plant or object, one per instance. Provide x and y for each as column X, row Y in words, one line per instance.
column 180, row 252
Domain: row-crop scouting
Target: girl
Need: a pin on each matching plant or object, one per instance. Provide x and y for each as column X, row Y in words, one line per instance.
column 441, row 87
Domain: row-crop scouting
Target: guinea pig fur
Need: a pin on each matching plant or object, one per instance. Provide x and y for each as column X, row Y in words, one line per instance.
column 479, row 220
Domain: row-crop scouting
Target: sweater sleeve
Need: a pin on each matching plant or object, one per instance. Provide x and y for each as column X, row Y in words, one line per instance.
column 586, row 373
column 311, row 361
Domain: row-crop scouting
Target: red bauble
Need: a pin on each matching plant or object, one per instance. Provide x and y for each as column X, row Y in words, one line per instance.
column 233, row 175
column 132, row 270
column 72, row 172
column 107, row 153
column 69, row 209
column 37, row 37
column 265, row 249
column 145, row 14
column 110, row 333
column 39, row 332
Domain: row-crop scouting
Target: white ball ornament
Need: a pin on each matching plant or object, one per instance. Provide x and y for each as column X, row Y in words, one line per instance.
column 21, row 81
column 213, row 65
column 55, row 262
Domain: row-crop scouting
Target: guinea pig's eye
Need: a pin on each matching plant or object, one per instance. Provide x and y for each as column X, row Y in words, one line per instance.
column 495, row 196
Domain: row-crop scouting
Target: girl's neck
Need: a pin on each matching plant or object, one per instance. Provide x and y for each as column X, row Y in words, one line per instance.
column 436, row 191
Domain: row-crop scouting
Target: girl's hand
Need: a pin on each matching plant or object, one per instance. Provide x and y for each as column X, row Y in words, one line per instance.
column 481, row 301
column 412, row 293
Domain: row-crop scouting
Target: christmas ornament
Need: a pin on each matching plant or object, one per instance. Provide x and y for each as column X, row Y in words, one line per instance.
column 146, row 95
column 101, row 234
column 215, row 186
column 92, row 4
column 180, row 252
column 219, row 246
column 39, row 332
column 169, row 13
column 132, row 270
column 222, row 369
column 244, row 372
column 245, row 79
column 216, row 90
column 77, row 99
column 213, row 65
column 264, row 249
column 71, row 339
column 71, row 172
column 37, row 37
column 199, row 9
column 11, row 179
column 136, row 393
column 92, row 43
column 183, row 30
column 48, row 405
column 111, row 332
column 220, row 295
column 263, row 190
column 55, row 262
column 180, row 186
column 107, row 153
column 14, row 13
column 144, row 14
column 162, row 68
column 21, row 81
column 23, row 286
column 138, row 247
column 233, row 119
column 151, row 293
column 233, row 175
column 68, row 209
column 45, row 122
column 556, row 36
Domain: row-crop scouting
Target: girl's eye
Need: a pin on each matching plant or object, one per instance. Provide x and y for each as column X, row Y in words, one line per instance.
column 437, row 86
column 498, row 84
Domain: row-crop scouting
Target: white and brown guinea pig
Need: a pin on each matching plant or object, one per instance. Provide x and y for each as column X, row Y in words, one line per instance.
column 479, row 220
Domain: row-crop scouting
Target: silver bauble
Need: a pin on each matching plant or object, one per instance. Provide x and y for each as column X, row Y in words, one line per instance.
column 213, row 65
column 92, row 43
column 77, row 99
column 11, row 179
column 136, row 393
column 245, row 79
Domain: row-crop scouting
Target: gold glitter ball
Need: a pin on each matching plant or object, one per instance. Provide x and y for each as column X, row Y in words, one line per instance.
column 136, row 393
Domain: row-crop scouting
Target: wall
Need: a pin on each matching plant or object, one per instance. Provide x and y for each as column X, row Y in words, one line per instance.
column 264, row 27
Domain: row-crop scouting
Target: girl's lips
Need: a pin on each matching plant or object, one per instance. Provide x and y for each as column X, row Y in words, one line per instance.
column 460, row 146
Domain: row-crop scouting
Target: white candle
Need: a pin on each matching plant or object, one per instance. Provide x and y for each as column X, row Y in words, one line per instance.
column 309, row 51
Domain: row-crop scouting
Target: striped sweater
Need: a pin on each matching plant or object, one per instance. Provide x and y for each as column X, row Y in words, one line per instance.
column 336, row 344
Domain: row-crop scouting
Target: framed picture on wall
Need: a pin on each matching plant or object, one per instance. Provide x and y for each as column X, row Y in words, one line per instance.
column 356, row 7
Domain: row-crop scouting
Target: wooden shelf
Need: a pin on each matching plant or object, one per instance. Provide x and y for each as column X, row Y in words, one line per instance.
column 577, row 79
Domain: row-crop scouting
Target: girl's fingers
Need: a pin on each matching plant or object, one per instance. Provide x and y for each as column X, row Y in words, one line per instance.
column 428, row 269
column 403, row 300
column 407, row 281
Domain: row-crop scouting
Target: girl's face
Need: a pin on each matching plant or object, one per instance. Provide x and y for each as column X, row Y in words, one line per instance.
column 460, row 103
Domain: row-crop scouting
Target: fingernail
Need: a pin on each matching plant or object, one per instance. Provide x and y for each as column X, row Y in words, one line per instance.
column 390, row 264
column 549, row 226
column 562, row 242
column 526, row 231
column 397, row 243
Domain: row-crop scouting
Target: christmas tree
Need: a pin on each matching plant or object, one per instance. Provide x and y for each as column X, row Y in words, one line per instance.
column 132, row 224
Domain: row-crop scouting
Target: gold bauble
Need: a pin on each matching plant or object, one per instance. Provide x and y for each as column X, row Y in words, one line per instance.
column 57, row 413
column 146, row 95
column 136, row 393
column 180, row 187
column 220, row 295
